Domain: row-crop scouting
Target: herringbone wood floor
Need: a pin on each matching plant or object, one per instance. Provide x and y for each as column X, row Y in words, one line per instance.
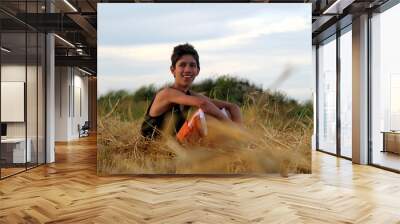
column 69, row 191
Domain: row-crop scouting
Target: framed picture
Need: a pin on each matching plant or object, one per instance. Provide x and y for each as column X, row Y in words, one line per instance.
column 219, row 88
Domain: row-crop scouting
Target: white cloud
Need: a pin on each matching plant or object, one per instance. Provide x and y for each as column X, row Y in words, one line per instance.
column 150, row 52
column 256, row 26
column 129, row 82
column 244, row 31
column 249, row 49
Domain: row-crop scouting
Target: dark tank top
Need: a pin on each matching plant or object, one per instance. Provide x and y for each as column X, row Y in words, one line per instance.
column 152, row 126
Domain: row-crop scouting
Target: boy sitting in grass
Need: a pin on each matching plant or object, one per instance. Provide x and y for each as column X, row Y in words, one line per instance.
column 175, row 100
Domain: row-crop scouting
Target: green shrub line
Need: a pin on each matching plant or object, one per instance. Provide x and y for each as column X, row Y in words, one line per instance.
column 129, row 106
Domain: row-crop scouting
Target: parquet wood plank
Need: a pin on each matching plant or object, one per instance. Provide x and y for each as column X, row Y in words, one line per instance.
column 69, row 191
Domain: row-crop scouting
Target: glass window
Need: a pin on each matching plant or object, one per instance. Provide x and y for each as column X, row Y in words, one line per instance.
column 327, row 96
column 22, row 91
column 14, row 150
column 32, row 87
column 31, row 96
column 385, row 87
column 346, row 94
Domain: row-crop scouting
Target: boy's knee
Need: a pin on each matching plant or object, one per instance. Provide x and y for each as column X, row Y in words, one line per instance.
column 236, row 107
column 226, row 113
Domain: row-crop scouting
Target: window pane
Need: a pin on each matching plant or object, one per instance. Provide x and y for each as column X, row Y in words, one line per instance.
column 14, row 150
column 327, row 97
column 31, row 97
column 386, row 89
column 346, row 94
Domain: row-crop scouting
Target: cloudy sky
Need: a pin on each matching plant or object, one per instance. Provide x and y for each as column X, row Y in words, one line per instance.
column 269, row 44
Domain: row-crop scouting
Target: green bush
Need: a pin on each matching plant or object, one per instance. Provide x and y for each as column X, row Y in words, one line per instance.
column 132, row 105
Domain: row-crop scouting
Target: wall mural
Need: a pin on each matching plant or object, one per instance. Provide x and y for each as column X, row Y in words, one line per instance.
column 204, row 88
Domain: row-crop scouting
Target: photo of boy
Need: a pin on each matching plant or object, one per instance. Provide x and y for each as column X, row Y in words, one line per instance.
column 249, row 112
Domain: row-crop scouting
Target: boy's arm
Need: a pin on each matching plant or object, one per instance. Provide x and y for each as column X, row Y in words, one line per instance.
column 233, row 109
column 176, row 96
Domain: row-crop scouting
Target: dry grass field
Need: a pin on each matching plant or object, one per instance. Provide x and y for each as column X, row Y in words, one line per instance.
column 274, row 139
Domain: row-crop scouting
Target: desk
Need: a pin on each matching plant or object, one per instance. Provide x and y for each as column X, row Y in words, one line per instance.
column 391, row 141
column 13, row 150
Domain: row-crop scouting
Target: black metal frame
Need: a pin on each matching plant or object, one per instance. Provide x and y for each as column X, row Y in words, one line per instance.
column 37, row 91
column 385, row 168
column 316, row 97
column 45, row 90
column 26, row 89
column 0, row 91
column 369, row 90
column 72, row 96
column 338, row 98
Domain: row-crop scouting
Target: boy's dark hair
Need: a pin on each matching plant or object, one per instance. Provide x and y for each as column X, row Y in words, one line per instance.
column 184, row 49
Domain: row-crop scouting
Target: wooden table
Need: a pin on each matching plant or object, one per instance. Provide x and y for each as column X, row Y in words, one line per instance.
column 391, row 141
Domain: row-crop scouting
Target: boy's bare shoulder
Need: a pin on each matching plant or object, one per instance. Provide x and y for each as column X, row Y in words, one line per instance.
column 169, row 91
column 166, row 93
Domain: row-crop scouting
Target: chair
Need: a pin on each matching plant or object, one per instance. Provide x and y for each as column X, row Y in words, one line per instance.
column 84, row 130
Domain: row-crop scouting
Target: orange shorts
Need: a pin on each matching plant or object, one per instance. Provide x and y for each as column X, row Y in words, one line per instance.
column 195, row 128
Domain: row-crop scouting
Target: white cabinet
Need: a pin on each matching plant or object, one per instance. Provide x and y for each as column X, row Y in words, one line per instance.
column 17, row 147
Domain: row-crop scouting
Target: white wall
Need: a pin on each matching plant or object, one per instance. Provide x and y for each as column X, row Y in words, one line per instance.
column 71, row 102
column 62, row 81
column 80, row 110
column 12, row 73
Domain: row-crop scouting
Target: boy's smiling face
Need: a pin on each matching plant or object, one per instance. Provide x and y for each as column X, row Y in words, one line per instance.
column 185, row 70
